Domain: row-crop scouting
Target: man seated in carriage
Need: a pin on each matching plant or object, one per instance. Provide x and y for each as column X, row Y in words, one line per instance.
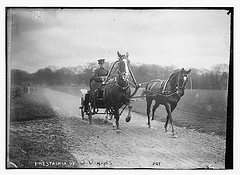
column 95, row 82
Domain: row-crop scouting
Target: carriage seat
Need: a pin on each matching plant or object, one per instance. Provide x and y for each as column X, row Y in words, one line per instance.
column 84, row 92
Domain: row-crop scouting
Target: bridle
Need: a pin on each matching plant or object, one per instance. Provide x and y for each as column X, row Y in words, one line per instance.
column 179, row 89
column 124, row 75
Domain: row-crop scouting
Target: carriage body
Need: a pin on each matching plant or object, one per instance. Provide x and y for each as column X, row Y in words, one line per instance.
column 86, row 106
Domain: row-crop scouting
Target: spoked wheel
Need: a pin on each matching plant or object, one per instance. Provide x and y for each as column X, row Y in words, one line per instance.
column 90, row 114
column 82, row 112
column 82, row 108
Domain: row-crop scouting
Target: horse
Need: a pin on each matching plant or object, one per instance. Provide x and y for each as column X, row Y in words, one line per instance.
column 117, row 92
column 167, row 93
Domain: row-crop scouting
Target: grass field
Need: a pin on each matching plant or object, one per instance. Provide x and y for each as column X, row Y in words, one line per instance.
column 36, row 137
column 202, row 110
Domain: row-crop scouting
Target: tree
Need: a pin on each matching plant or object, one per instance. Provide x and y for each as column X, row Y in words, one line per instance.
column 224, row 80
column 202, row 79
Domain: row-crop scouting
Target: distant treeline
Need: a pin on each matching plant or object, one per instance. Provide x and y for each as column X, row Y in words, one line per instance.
column 217, row 78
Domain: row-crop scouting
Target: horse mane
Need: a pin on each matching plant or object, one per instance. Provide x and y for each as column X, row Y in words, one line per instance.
column 172, row 76
column 176, row 72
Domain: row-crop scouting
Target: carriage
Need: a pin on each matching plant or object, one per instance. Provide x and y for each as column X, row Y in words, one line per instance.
column 86, row 107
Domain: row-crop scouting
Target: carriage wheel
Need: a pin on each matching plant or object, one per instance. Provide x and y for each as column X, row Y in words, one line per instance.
column 82, row 108
column 90, row 114
column 82, row 112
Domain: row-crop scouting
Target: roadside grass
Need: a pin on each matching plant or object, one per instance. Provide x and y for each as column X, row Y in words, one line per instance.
column 73, row 90
column 36, row 139
column 29, row 107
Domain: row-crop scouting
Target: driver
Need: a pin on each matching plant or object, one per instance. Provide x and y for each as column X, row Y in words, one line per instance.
column 98, row 77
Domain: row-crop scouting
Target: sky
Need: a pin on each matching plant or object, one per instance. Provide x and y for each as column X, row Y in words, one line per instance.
column 70, row 37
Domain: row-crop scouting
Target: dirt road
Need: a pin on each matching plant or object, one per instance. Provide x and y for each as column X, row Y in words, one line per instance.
column 137, row 146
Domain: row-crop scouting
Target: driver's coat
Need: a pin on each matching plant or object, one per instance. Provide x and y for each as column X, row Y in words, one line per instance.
column 96, row 80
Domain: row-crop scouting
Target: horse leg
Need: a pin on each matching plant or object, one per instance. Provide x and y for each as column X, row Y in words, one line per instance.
column 173, row 106
column 114, row 123
column 117, row 121
column 106, row 116
column 116, row 116
column 128, row 118
column 167, row 119
column 149, row 103
column 169, row 111
column 111, row 115
column 154, row 108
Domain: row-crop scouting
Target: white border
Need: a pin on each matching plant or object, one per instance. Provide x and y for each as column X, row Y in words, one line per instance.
column 122, row 3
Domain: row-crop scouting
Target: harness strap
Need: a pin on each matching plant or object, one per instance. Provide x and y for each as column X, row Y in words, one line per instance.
column 122, row 88
column 161, row 93
column 159, row 86
column 164, row 88
column 152, row 86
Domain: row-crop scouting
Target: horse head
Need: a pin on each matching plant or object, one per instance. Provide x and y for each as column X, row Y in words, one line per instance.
column 123, row 70
column 178, row 81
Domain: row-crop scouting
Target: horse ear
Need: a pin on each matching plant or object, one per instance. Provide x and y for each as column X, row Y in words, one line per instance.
column 182, row 70
column 188, row 71
column 127, row 55
column 119, row 55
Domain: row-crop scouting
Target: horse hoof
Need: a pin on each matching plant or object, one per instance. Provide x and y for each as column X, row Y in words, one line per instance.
column 175, row 135
column 105, row 121
column 165, row 129
column 118, row 131
column 128, row 119
column 110, row 117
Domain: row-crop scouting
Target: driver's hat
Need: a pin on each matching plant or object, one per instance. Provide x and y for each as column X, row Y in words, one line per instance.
column 101, row 61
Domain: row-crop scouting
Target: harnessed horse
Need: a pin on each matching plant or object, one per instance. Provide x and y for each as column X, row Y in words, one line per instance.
column 167, row 93
column 117, row 92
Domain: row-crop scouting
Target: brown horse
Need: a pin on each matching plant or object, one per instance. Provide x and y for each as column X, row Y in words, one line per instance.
column 117, row 92
column 167, row 93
